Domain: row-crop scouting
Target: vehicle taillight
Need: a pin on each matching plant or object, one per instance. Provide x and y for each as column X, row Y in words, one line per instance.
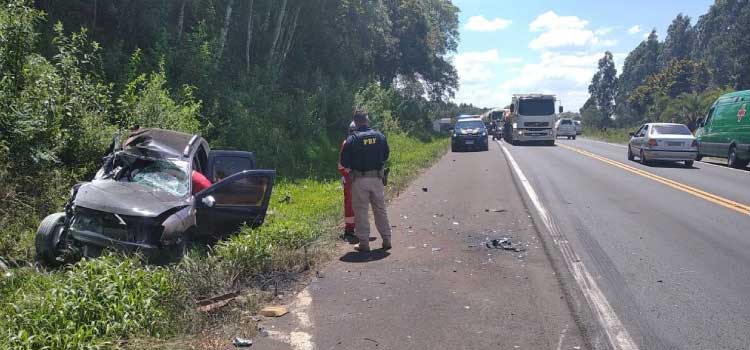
column 695, row 143
column 652, row 143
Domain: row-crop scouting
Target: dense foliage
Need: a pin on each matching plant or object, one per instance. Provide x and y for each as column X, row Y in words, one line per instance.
column 676, row 80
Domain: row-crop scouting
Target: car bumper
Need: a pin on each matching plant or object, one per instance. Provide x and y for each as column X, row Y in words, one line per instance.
column 566, row 133
column 533, row 135
column 670, row 155
column 94, row 242
column 469, row 142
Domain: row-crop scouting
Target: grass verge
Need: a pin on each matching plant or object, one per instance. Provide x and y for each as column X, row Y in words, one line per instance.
column 108, row 302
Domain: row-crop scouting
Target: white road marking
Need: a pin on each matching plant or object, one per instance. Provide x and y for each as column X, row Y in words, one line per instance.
column 615, row 331
column 299, row 339
column 562, row 337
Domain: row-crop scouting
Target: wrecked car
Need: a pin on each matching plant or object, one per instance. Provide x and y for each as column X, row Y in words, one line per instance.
column 143, row 200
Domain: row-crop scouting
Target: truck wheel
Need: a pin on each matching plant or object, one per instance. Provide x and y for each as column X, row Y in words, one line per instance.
column 574, row 137
column 48, row 238
column 733, row 161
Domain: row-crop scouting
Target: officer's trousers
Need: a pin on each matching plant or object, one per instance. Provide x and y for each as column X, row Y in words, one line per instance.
column 368, row 191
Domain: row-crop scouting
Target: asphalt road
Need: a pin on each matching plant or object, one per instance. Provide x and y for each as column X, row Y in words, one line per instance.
column 440, row 287
column 668, row 246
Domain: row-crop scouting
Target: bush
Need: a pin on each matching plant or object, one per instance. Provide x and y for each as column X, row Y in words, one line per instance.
column 92, row 303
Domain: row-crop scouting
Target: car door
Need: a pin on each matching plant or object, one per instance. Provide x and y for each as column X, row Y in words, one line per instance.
column 636, row 141
column 222, row 164
column 241, row 198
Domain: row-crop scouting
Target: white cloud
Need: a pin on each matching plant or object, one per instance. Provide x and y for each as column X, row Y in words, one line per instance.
column 566, row 75
column 482, row 24
column 634, row 29
column 604, row 30
column 475, row 66
column 561, row 31
column 551, row 21
column 608, row 42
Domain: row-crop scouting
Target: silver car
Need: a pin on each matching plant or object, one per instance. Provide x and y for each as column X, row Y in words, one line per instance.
column 663, row 142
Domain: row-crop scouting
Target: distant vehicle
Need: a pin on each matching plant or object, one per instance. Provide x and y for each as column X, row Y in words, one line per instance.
column 442, row 125
column 579, row 128
column 142, row 200
column 725, row 132
column 663, row 141
column 469, row 133
column 531, row 118
column 566, row 127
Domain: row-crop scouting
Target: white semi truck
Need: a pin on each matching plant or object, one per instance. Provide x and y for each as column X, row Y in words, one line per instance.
column 532, row 118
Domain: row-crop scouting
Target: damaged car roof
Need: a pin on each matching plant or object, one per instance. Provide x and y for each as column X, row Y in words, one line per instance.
column 159, row 143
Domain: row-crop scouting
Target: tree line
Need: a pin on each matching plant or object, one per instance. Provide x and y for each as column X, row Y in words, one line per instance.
column 677, row 79
column 278, row 77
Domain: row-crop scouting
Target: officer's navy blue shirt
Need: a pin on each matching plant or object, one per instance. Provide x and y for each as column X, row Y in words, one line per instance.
column 365, row 150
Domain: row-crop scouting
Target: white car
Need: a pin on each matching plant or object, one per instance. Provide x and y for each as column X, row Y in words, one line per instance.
column 566, row 127
column 663, row 141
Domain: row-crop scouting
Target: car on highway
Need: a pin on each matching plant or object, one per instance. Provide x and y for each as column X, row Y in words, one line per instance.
column 663, row 142
column 469, row 133
column 144, row 199
column 725, row 132
column 566, row 127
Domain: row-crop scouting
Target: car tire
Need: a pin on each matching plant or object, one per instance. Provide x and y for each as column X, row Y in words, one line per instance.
column 48, row 235
column 733, row 161
column 631, row 156
column 644, row 161
column 175, row 252
column 453, row 148
column 689, row 164
column 574, row 137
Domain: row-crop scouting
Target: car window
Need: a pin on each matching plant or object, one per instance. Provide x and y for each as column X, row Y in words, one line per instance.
column 566, row 122
column 226, row 166
column 644, row 131
column 248, row 191
column 470, row 125
column 710, row 115
column 671, row 130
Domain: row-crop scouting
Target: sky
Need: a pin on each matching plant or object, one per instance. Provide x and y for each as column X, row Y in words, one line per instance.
column 553, row 47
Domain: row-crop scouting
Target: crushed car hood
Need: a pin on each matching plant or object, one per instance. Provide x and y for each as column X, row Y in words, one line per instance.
column 126, row 198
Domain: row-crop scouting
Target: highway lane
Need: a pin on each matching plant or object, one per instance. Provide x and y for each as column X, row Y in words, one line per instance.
column 674, row 266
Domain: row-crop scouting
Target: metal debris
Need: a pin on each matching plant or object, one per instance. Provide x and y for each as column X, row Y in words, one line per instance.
column 242, row 342
column 504, row 244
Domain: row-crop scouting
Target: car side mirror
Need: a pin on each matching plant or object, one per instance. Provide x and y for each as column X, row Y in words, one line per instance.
column 208, row 201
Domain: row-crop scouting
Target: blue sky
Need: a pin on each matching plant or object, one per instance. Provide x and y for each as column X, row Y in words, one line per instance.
column 512, row 47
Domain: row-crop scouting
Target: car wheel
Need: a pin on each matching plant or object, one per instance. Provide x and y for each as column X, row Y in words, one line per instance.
column 453, row 148
column 631, row 156
column 688, row 163
column 174, row 253
column 48, row 238
column 644, row 161
column 574, row 137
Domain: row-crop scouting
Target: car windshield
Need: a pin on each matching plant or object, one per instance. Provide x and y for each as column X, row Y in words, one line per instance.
column 170, row 176
column 536, row 107
column 671, row 130
column 474, row 124
column 566, row 122
column 497, row 115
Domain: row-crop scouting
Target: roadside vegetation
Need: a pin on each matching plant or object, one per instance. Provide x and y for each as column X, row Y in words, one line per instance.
column 674, row 80
column 241, row 74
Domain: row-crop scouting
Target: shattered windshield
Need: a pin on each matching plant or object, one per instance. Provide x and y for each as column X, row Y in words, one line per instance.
column 171, row 176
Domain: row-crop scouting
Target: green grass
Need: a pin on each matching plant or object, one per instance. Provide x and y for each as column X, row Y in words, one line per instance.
column 620, row 136
column 96, row 303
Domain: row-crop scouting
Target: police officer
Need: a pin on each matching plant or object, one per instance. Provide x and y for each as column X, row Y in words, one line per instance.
column 365, row 153
column 346, row 180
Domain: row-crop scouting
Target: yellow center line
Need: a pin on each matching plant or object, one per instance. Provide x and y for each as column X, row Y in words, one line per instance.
column 727, row 203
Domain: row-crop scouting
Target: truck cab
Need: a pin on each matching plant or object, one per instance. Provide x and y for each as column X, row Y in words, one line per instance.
column 532, row 118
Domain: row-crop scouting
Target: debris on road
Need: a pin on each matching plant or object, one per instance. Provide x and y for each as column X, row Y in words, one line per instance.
column 242, row 342
column 274, row 311
column 436, row 249
column 424, row 189
column 455, row 223
column 504, row 244
column 319, row 274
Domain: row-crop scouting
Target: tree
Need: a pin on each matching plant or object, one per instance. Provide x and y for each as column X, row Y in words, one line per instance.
column 678, row 43
column 603, row 86
column 641, row 63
